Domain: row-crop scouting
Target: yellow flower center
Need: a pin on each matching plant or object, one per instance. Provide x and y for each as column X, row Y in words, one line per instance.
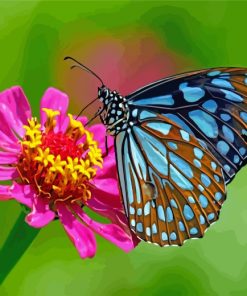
column 55, row 163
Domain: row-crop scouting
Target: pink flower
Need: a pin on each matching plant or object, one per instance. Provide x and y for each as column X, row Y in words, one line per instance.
column 57, row 169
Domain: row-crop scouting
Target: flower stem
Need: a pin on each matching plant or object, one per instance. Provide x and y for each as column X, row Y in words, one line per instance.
column 18, row 241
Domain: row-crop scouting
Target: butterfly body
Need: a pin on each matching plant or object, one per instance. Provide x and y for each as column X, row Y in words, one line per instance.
column 178, row 142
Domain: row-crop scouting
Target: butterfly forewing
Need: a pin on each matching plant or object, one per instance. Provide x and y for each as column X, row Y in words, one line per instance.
column 172, row 187
column 209, row 104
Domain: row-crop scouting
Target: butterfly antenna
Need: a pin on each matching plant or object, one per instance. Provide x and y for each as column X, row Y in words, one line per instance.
column 95, row 116
column 79, row 65
column 84, row 108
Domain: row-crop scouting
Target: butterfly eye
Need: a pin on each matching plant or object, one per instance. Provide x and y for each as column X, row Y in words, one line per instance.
column 105, row 93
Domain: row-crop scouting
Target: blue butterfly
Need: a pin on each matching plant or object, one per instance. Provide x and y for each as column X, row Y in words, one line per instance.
column 178, row 142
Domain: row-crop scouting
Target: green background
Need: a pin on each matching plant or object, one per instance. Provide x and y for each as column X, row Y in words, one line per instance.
column 129, row 43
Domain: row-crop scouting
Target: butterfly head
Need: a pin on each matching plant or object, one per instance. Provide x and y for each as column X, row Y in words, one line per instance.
column 103, row 94
column 114, row 112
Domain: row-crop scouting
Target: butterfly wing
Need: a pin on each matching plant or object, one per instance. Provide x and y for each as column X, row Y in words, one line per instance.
column 172, row 187
column 209, row 104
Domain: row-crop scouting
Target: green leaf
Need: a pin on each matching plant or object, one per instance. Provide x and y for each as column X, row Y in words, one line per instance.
column 18, row 241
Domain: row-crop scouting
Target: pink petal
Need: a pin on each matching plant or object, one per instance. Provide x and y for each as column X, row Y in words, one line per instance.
column 109, row 185
column 99, row 132
column 5, row 193
column 109, row 169
column 15, row 107
column 8, row 158
column 8, row 173
column 82, row 119
column 56, row 100
column 82, row 237
column 111, row 232
column 41, row 214
column 6, row 134
column 23, row 194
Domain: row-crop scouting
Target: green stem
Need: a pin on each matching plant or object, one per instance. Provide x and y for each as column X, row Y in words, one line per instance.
column 18, row 241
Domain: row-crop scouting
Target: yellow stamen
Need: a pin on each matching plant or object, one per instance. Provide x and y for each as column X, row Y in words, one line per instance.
column 66, row 176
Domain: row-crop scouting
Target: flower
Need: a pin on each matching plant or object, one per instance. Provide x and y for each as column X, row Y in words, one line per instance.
column 57, row 169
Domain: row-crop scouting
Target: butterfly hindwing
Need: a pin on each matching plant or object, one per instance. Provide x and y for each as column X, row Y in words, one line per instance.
column 209, row 104
column 172, row 187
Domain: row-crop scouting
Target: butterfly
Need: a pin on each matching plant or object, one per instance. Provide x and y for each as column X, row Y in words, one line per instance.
column 178, row 142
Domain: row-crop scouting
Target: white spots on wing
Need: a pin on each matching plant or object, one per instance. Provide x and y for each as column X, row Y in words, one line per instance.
column 185, row 136
column 147, row 208
column 161, row 127
column 161, row 213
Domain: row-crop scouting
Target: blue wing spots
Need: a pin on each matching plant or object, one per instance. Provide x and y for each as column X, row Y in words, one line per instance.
column 191, row 199
column 182, row 165
column 172, row 145
column 148, row 231
column 134, row 112
column 173, row 203
column 214, row 73
column 185, row 135
column 181, row 226
column 222, row 83
column 164, row 128
column 236, row 159
column 160, row 100
column 188, row 213
column 153, row 149
column 138, row 159
column 205, row 122
column 243, row 115
column 213, row 165
column 154, row 229
column 203, row 201
column 179, row 179
column 169, row 214
column 218, row 196
column 191, row 94
column 228, row 133
column 128, row 179
column 200, row 187
column 216, row 178
column 161, row 213
column 205, row 180
column 133, row 222
column 225, row 117
column 242, row 151
column 179, row 121
column 147, row 208
column 139, row 212
column 229, row 95
column 245, row 80
column 132, row 210
column 164, row 236
column 211, row 216
column 202, row 220
column 202, row 143
column 173, row 236
column 227, row 168
column 197, row 163
column 198, row 153
column 210, row 105
column 193, row 230
column 139, row 227
column 223, row 147
column 244, row 132
column 146, row 114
